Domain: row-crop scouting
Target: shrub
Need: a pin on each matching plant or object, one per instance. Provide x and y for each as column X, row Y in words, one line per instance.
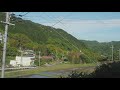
column 110, row 70
column 76, row 74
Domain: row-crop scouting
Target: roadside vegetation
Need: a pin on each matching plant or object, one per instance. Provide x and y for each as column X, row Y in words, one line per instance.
column 106, row 70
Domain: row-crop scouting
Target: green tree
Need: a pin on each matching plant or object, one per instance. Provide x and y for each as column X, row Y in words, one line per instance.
column 19, row 40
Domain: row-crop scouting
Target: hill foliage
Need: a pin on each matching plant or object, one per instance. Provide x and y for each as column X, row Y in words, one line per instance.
column 50, row 41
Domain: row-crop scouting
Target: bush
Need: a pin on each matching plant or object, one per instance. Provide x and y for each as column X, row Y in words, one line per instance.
column 74, row 57
column 110, row 70
column 103, row 58
column 85, row 59
column 76, row 74
column 42, row 62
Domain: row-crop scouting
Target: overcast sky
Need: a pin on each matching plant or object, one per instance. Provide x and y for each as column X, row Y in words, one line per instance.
column 100, row 26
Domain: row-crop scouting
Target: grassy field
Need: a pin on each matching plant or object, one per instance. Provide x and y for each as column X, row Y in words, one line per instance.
column 13, row 74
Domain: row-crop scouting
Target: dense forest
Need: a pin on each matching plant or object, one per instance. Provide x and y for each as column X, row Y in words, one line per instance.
column 50, row 41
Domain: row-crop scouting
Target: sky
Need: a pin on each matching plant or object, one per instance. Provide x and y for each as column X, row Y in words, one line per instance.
column 99, row 26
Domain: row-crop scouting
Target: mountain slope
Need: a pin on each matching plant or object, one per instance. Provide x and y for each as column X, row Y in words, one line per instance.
column 49, row 40
column 43, row 34
column 104, row 48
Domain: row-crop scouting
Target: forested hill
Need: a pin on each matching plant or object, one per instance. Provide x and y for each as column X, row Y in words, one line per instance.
column 43, row 34
column 30, row 35
column 104, row 48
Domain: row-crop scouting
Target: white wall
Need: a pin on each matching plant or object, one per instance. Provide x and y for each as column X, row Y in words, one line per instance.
column 25, row 61
column 13, row 63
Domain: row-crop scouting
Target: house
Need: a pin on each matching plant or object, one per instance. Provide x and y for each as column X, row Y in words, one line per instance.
column 26, row 60
column 22, row 61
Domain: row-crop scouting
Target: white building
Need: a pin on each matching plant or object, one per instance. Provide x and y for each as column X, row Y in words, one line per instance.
column 22, row 61
column 13, row 63
column 25, row 60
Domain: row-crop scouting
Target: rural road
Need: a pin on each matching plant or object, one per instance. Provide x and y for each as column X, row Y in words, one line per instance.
column 57, row 74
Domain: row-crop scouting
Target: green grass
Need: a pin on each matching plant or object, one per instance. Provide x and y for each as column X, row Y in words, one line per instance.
column 12, row 74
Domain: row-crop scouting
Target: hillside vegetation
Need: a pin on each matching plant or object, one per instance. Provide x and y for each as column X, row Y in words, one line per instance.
column 104, row 48
column 50, row 41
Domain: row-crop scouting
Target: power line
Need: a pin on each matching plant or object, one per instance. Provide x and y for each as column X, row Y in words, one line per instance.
column 59, row 21
column 68, row 40
column 20, row 13
column 48, row 20
column 98, row 20
column 53, row 19
column 23, row 14
column 65, row 38
column 60, row 34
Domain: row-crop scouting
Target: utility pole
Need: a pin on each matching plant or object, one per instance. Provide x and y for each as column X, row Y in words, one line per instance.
column 39, row 58
column 5, row 41
column 112, row 52
column 21, row 56
column 119, row 54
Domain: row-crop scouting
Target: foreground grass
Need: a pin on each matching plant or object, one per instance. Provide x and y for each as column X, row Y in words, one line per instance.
column 13, row 74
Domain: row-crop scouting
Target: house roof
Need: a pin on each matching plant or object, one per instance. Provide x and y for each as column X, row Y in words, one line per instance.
column 47, row 57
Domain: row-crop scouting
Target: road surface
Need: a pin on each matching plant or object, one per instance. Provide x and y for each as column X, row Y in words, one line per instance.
column 57, row 74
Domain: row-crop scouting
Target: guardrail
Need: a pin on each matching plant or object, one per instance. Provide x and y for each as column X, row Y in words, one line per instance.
column 18, row 68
